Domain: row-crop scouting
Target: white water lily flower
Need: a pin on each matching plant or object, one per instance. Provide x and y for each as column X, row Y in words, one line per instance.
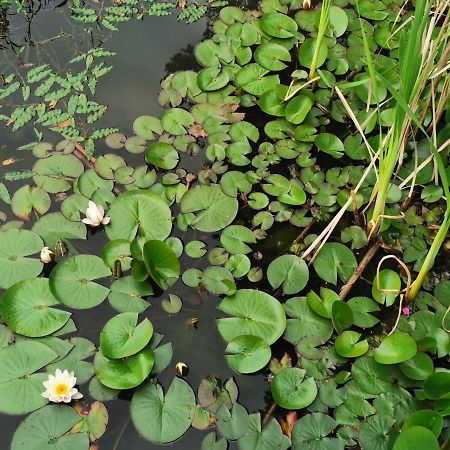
column 47, row 255
column 60, row 387
column 95, row 215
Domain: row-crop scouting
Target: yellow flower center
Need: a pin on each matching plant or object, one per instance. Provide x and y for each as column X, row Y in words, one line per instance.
column 61, row 389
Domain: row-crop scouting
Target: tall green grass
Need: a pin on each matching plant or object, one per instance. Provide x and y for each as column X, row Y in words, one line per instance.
column 323, row 25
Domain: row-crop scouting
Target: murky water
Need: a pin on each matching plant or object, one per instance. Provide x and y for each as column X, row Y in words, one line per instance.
column 144, row 48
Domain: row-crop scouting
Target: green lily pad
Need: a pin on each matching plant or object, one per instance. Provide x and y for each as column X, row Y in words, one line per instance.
column 329, row 143
column 124, row 373
column 26, row 308
column 141, row 213
column 171, row 414
column 20, row 385
column 47, row 429
column 291, row 390
column 255, row 313
column 437, row 385
column 416, row 438
column 307, row 49
column 396, row 348
column 176, row 120
column 126, row 295
column 311, row 431
column 252, row 78
column 247, row 354
column 335, row 260
column 232, row 424
column 278, row 25
column 161, row 262
column 53, row 173
column 71, row 281
column 117, row 250
column 212, row 208
column 386, row 287
column 297, row 109
column 146, row 126
column 28, row 199
column 348, row 345
column 162, row 155
column 122, row 336
column 94, row 423
column 271, row 56
column 288, row 271
column 15, row 246
column 54, row 227
column 235, row 239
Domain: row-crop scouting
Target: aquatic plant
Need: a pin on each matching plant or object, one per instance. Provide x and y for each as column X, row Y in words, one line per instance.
column 273, row 173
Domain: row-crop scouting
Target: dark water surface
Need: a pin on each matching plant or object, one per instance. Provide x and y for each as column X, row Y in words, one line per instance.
column 143, row 48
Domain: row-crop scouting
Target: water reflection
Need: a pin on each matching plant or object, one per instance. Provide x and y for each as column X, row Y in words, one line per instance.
column 145, row 51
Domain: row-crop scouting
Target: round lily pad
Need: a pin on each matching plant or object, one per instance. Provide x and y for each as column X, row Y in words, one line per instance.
column 20, row 385
column 255, row 313
column 146, row 127
column 122, row 336
column 126, row 295
column 139, row 212
column 71, row 281
column 162, row 155
column 48, row 429
column 212, row 208
column 288, row 271
column 29, row 198
column 15, row 246
column 291, row 390
column 124, row 373
column 26, row 308
column 247, row 354
column 171, row 414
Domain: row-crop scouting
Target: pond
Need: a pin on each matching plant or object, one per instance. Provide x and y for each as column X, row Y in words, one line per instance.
column 228, row 221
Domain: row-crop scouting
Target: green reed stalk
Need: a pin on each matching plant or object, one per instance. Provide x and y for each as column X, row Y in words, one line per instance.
column 323, row 25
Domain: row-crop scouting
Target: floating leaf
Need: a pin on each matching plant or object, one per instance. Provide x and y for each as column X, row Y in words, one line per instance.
column 162, row 155
column 213, row 209
column 122, row 336
column 235, row 239
column 47, row 429
column 247, row 354
column 348, row 345
column 71, row 281
column 171, row 414
column 232, row 424
column 20, row 386
column 278, row 25
column 416, row 438
column 386, row 287
column 291, row 390
column 26, row 308
column 335, row 259
column 311, row 431
column 161, row 262
column 289, row 271
column 395, row 348
column 437, row 385
column 15, row 246
column 54, row 227
column 124, row 373
column 146, row 126
column 126, row 295
column 256, row 314
column 176, row 120
column 139, row 212
column 172, row 305
column 29, row 198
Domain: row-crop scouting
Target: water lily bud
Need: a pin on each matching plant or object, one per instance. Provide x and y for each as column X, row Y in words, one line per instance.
column 47, row 256
column 182, row 369
column 306, row 4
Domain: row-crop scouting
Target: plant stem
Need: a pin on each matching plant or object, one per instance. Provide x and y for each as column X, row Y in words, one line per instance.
column 429, row 260
column 269, row 414
column 359, row 270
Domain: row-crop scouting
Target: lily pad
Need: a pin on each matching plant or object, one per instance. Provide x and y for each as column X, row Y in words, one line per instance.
column 176, row 120
column 71, row 281
column 20, row 385
column 291, row 390
column 247, row 354
column 47, row 429
column 396, row 348
column 288, row 271
column 27, row 199
column 161, row 262
column 335, row 260
column 139, row 212
column 255, row 313
column 162, row 155
column 213, row 209
column 26, row 308
column 146, row 127
column 126, row 295
column 15, row 246
column 124, row 373
column 171, row 414
column 122, row 336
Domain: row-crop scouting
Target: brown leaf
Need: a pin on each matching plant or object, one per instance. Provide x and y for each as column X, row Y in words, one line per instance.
column 197, row 131
column 9, row 161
